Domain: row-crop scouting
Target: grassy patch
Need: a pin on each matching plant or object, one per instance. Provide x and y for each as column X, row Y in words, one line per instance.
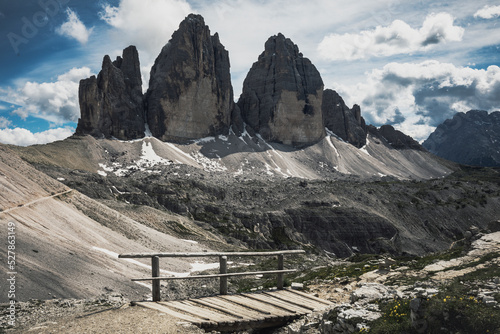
column 350, row 270
column 395, row 318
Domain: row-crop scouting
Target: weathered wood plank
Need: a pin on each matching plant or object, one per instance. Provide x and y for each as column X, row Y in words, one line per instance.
column 195, row 320
column 319, row 300
column 230, row 311
column 278, row 303
column 256, row 304
column 225, row 306
column 240, row 312
column 292, row 301
column 242, row 304
column 208, row 254
column 210, row 313
column 270, row 272
column 185, row 310
column 302, row 300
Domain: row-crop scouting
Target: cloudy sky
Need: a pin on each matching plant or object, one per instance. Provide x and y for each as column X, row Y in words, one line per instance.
column 411, row 64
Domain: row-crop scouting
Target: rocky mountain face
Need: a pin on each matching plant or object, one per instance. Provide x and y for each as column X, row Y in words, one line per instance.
column 282, row 95
column 471, row 138
column 395, row 138
column 344, row 122
column 190, row 95
column 112, row 104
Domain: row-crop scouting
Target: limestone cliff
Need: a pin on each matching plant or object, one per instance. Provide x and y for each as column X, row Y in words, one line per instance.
column 112, row 105
column 344, row 122
column 282, row 95
column 190, row 95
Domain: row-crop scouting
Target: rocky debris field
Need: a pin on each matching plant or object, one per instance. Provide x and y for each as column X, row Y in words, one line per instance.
column 452, row 292
column 339, row 216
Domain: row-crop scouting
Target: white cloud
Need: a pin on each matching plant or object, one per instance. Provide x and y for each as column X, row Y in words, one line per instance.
column 74, row 28
column 23, row 137
column 53, row 101
column 147, row 24
column 416, row 97
column 397, row 38
column 488, row 12
column 4, row 122
column 243, row 25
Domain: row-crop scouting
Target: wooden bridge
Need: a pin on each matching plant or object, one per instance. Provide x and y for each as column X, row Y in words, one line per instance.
column 232, row 312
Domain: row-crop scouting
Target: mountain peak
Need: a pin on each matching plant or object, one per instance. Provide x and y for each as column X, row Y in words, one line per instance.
column 190, row 95
column 282, row 95
column 112, row 104
column 471, row 138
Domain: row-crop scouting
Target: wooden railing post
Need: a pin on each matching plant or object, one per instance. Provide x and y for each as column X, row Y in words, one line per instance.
column 280, row 275
column 223, row 270
column 155, row 265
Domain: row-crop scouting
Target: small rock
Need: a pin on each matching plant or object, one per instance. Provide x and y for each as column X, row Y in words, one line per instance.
column 488, row 299
column 297, row 286
column 490, row 303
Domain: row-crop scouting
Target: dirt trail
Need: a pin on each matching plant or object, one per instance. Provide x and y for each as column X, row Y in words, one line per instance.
column 36, row 201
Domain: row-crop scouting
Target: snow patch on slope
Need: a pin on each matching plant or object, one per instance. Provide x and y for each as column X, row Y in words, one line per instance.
column 149, row 157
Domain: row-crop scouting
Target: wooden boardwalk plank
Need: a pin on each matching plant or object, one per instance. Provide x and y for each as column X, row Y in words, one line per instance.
column 273, row 310
column 229, row 311
column 279, row 303
column 243, row 305
column 240, row 312
column 211, row 313
column 237, row 310
column 200, row 311
column 291, row 301
column 308, row 296
column 195, row 320
column 298, row 300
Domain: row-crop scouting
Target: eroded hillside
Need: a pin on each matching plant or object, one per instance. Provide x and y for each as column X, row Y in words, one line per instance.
column 330, row 196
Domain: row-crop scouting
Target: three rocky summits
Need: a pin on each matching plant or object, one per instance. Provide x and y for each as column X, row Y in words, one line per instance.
column 190, row 95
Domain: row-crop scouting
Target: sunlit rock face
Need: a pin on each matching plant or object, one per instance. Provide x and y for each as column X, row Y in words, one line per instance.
column 190, row 95
column 282, row 95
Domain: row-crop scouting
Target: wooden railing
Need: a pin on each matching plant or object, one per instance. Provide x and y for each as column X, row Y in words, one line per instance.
column 223, row 274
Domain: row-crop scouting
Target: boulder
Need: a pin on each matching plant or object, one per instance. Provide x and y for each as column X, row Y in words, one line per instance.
column 112, row 104
column 282, row 95
column 190, row 95
column 342, row 121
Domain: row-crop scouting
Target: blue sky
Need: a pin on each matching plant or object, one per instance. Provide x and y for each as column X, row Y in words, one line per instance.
column 412, row 64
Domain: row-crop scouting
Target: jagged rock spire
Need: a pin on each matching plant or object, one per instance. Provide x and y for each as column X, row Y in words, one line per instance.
column 190, row 94
column 112, row 104
column 282, row 95
column 344, row 122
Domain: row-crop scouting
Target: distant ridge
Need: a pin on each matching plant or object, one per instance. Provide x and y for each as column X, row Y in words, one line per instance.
column 471, row 138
